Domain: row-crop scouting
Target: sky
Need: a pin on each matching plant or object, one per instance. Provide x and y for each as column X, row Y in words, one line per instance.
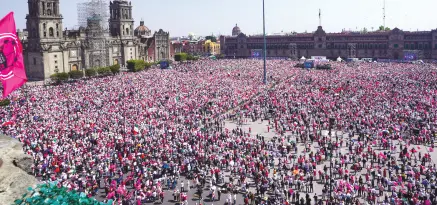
column 206, row 17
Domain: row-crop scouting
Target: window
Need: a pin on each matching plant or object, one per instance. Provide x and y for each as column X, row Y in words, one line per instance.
column 320, row 45
column 57, row 26
column 56, row 61
column 420, row 46
column 435, row 46
column 49, row 12
column 426, row 46
column 34, row 61
column 55, row 56
column 396, row 46
column 57, row 33
column 51, row 32
column 406, row 46
column 55, row 11
column 56, row 67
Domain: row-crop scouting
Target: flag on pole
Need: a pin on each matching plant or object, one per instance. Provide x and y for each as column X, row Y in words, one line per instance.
column 12, row 73
column 320, row 13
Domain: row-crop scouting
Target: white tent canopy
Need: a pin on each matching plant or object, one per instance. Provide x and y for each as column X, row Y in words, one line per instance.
column 303, row 58
column 339, row 59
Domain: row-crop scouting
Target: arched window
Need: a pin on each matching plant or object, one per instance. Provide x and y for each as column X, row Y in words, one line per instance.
column 49, row 12
column 127, row 31
column 51, row 32
column 57, row 33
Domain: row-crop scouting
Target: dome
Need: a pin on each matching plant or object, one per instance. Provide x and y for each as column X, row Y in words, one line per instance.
column 236, row 30
column 142, row 30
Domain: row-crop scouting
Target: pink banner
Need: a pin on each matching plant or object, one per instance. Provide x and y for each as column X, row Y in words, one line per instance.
column 12, row 72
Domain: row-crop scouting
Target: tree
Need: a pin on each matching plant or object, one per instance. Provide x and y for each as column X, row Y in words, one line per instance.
column 104, row 71
column 136, row 65
column 180, row 57
column 75, row 74
column 115, row 68
column 5, row 102
column 59, row 77
column 90, row 72
column 364, row 30
column 211, row 38
column 381, row 28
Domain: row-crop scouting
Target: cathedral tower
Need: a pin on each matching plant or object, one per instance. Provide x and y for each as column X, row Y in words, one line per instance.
column 121, row 21
column 43, row 48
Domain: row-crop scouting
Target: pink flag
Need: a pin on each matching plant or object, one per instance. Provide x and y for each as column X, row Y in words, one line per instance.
column 12, row 73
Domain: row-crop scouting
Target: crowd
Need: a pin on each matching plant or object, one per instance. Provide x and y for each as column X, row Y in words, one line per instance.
column 138, row 136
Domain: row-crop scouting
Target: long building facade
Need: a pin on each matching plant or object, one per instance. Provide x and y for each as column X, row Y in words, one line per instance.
column 394, row 44
column 49, row 49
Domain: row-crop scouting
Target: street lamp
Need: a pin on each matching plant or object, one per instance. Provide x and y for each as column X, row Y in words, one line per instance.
column 265, row 46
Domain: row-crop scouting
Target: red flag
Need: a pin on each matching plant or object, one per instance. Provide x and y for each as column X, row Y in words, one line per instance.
column 12, row 73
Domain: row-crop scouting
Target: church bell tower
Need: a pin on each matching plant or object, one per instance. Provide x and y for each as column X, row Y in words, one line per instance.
column 121, row 21
column 44, row 26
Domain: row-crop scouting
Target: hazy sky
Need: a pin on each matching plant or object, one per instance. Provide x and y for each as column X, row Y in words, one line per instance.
column 204, row 17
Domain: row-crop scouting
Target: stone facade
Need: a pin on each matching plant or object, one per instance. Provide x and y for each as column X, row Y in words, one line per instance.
column 49, row 49
column 380, row 44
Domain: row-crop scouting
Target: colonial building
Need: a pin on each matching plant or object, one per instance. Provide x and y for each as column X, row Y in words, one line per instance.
column 394, row 44
column 49, row 49
column 211, row 48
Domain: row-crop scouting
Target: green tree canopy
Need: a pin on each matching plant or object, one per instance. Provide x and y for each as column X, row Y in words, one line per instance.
column 212, row 38
column 381, row 28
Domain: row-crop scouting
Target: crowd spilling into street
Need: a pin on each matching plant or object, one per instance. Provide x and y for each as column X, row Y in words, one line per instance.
column 211, row 132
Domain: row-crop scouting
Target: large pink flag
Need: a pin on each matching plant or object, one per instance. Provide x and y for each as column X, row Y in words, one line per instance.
column 12, row 72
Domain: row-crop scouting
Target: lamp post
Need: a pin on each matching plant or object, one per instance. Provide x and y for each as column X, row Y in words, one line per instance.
column 265, row 46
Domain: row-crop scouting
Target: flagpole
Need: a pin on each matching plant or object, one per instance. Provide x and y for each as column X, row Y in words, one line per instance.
column 265, row 46
column 320, row 17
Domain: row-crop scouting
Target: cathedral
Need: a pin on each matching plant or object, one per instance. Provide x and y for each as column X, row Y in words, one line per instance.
column 48, row 48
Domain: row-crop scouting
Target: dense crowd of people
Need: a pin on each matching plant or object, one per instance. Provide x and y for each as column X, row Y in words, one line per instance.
column 138, row 136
